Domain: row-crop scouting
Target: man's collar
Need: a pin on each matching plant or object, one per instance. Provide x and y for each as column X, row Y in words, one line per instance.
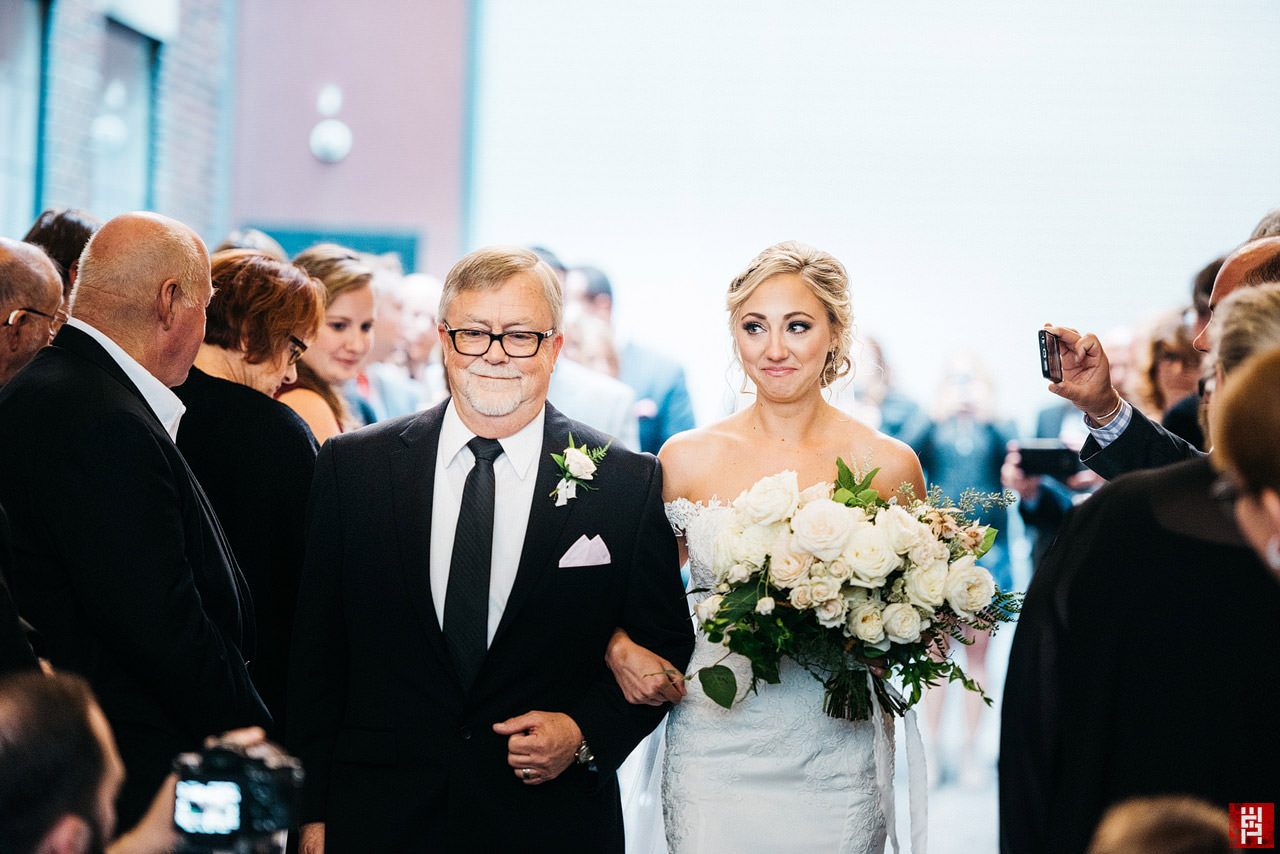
column 521, row 448
column 166, row 405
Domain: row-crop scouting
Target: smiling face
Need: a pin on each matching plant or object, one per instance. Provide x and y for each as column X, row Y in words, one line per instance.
column 494, row 394
column 783, row 337
column 344, row 338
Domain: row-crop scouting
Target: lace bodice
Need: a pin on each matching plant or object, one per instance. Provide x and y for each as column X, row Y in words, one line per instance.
column 730, row 772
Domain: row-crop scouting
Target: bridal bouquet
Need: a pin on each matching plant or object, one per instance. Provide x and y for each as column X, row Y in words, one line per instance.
column 849, row 586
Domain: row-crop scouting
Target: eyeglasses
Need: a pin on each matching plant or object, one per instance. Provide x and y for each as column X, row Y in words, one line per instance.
column 518, row 344
column 55, row 320
column 296, row 349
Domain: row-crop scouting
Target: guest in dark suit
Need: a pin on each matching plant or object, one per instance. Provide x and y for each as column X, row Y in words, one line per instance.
column 449, row 692
column 119, row 562
column 30, row 304
column 1123, row 439
column 15, row 651
column 253, row 455
column 1094, row 712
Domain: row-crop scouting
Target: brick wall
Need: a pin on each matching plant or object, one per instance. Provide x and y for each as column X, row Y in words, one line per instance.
column 188, row 167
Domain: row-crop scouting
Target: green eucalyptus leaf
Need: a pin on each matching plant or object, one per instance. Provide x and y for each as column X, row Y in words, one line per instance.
column 988, row 540
column 842, row 496
column 719, row 684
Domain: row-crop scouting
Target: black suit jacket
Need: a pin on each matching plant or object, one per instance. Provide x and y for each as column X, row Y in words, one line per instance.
column 1144, row 444
column 119, row 562
column 398, row 758
column 1143, row 664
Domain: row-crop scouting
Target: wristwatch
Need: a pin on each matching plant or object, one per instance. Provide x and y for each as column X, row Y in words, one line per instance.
column 584, row 756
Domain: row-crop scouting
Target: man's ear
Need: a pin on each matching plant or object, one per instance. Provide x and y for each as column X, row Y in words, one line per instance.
column 167, row 302
column 69, row 835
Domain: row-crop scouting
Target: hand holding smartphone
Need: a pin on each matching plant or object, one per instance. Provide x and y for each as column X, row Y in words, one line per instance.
column 1050, row 356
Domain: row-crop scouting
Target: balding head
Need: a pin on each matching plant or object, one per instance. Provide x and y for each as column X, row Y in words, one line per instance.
column 1255, row 263
column 30, row 296
column 143, row 280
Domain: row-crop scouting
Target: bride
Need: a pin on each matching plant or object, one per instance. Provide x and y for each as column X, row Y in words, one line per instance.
column 774, row 773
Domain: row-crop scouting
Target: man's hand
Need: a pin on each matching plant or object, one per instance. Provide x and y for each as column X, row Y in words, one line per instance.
column 1013, row 477
column 541, row 745
column 312, row 841
column 155, row 833
column 1086, row 374
column 645, row 677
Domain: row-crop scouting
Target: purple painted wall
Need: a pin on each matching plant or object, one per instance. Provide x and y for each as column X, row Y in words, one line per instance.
column 402, row 71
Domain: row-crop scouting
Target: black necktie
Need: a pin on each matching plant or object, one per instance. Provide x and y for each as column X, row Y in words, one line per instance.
column 466, row 601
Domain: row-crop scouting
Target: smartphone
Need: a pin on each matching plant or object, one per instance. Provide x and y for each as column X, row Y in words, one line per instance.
column 1048, row 457
column 1050, row 356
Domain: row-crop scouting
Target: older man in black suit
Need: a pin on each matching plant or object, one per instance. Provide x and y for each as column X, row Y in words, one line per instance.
column 118, row 559
column 449, row 691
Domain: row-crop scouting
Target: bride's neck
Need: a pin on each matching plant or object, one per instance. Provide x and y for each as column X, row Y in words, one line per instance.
column 794, row 420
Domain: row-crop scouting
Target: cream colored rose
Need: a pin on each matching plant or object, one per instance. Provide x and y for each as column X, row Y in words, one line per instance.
column 926, row 585
column 788, row 566
column 579, row 464
column 722, row 552
column 901, row 529
column 866, row 622
column 838, row 569
column 752, row 545
column 830, row 613
column 739, row 573
column 970, row 588
column 929, row 550
column 707, row 608
column 870, row 557
column 822, row 528
column 902, row 623
column 824, row 589
column 770, row 499
column 802, row 597
column 817, row 492
column 765, row 605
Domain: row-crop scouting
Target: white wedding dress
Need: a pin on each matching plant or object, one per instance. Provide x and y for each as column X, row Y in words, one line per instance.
column 774, row 773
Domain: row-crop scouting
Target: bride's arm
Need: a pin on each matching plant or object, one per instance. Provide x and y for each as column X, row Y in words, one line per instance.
column 644, row 677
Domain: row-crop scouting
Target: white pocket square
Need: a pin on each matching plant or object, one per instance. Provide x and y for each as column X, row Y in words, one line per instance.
column 586, row 552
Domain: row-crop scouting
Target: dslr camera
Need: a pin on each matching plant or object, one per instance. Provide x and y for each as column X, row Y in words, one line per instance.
column 238, row 800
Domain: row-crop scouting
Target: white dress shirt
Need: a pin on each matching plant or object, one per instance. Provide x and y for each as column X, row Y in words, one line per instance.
column 515, row 472
column 166, row 405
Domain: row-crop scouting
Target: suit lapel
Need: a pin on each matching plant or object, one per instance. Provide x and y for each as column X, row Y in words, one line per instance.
column 546, row 522
column 413, row 480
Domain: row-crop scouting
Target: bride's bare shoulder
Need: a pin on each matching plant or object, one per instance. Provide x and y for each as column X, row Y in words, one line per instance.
column 898, row 464
column 692, row 457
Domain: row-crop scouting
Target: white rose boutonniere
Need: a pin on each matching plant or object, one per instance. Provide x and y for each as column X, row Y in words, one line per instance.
column 577, row 465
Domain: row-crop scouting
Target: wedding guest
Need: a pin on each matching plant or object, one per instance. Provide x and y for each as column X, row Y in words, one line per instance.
column 30, row 304
column 342, row 343
column 119, row 561
column 1170, row 368
column 382, row 388
column 1184, row 417
column 421, row 299
column 252, row 454
column 63, row 233
column 1170, row 824
column 1122, row 439
column 1082, row 730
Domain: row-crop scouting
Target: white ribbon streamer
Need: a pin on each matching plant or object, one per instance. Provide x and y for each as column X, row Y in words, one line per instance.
column 917, row 778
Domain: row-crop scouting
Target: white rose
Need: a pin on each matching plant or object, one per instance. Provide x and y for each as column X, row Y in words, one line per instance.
column 771, row 499
column 739, row 573
column 831, row 613
column 579, row 464
column 802, row 597
column 928, row 550
column 838, row 569
column 787, row 566
column 765, row 605
column 970, row 588
column 822, row 528
column 866, row 622
column 706, row 609
column 902, row 623
column 926, row 585
column 899, row 527
column 825, row 589
column 870, row 557
column 722, row 552
column 753, row 544
column 817, row 492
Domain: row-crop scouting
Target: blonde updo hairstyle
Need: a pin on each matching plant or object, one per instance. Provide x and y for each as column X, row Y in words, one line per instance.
column 826, row 279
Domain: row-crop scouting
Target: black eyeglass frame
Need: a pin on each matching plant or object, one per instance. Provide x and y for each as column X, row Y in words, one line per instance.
column 296, row 353
column 13, row 315
column 499, row 337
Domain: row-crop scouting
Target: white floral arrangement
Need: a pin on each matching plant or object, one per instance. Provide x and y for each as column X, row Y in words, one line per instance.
column 852, row 587
column 577, row 465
